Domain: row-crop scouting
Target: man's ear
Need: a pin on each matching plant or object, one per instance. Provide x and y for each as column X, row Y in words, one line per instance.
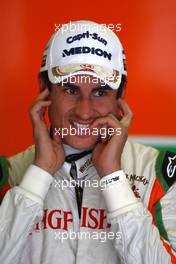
column 122, row 88
column 120, row 112
column 124, row 91
column 41, row 82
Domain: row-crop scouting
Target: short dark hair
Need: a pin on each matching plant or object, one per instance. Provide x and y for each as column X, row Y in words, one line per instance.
column 122, row 86
column 45, row 82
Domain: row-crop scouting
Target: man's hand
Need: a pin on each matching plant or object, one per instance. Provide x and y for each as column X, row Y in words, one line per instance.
column 49, row 153
column 107, row 153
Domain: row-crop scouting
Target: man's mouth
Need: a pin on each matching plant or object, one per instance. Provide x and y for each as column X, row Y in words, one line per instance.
column 79, row 125
column 83, row 128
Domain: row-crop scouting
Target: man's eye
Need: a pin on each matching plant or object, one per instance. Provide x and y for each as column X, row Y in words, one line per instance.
column 99, row 93
column 71, row 90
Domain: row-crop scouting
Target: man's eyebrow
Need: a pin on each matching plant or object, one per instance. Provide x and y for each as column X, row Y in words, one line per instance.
column 69, row 85
column 102, row 87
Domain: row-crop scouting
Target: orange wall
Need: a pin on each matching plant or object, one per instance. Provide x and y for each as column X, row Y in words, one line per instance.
column 148, row 35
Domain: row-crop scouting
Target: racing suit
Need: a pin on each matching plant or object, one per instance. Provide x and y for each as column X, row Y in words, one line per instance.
column 46, row 230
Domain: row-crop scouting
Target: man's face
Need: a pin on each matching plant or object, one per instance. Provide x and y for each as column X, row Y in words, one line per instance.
column 77, row 104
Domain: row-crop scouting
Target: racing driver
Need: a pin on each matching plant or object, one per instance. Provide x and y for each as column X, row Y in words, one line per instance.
column 84, row 193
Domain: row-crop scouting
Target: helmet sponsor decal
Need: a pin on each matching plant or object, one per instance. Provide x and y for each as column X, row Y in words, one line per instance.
column 84, row 35
column 86, row 50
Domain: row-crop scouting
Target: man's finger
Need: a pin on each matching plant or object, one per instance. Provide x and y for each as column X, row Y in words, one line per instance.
column 125, row 107
column 43, row 95
column 56, row 137
column 128, row 114
column 35, row 110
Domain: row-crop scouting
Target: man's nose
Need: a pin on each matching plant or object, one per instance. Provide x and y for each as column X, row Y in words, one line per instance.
column 84, row 108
